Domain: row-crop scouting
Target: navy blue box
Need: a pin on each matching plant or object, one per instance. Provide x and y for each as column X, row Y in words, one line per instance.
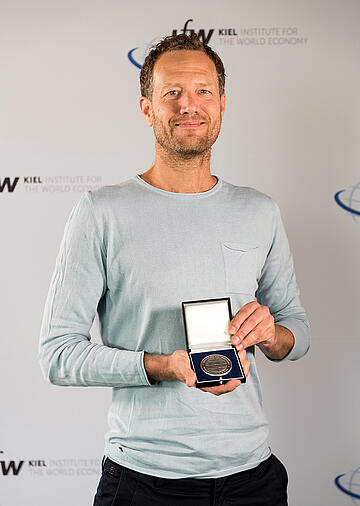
column 213, row 358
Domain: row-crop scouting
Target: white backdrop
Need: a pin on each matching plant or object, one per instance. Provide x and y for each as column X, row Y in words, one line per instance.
column 70, row 121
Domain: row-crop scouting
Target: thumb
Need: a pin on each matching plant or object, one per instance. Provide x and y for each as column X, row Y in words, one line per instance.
column 190, row 378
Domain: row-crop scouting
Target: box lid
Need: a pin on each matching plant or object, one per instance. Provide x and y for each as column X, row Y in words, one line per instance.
column 206, row 322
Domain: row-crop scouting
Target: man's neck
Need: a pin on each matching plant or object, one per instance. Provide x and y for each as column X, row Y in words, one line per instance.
column 177, row 175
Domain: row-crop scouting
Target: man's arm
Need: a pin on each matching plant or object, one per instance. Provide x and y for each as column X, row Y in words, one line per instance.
column 276, row 322
column 66, row 354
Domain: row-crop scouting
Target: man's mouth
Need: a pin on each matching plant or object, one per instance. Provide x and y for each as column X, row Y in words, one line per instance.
column 190, row 124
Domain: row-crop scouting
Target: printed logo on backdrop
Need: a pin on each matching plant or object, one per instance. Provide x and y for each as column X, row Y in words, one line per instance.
column 349, row 200
column 349, row 484
column 48, row 467
column 48, row 184
column 8, row 184
column 239, row 36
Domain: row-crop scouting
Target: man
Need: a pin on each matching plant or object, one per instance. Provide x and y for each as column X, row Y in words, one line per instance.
column 133, row 252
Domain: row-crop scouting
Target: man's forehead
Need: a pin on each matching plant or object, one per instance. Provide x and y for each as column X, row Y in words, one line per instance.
column 172, row 63
column 176, row 67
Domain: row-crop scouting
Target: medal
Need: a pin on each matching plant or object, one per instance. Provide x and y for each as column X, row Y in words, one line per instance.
column 216, row 365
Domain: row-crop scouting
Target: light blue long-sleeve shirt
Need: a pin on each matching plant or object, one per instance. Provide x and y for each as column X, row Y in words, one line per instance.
column 133, row 252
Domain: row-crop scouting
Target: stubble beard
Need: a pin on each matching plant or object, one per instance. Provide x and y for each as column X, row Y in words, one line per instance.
column 184, row 148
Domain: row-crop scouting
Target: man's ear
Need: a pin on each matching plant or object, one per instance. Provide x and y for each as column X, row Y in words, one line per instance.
column 146, row 109
column 222, row 104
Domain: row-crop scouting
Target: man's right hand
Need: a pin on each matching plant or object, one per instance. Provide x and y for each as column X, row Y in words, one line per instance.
column 177, row 367
column 179, row 364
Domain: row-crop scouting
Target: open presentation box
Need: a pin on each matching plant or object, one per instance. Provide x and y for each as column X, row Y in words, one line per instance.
column 214, row 359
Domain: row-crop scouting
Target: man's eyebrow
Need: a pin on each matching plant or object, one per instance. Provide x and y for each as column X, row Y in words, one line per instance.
column 178, row 85
column 205, row 85
column 171, row 85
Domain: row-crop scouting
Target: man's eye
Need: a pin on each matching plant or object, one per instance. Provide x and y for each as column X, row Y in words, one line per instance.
column 173, row 92
column 204, row 91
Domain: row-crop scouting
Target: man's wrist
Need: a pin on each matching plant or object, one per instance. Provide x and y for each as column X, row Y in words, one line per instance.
column 280, row 346
column 157, row 367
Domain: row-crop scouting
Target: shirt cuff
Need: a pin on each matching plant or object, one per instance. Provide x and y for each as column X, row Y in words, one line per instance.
column 301, row 332
column 142, row 370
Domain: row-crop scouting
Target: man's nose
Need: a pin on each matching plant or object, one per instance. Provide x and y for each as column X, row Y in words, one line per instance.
column 188, row 103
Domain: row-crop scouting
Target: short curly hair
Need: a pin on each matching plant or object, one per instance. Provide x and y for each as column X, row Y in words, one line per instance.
column 177, row 43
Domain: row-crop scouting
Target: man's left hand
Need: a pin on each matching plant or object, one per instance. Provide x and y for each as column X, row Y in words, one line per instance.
column 252, row 324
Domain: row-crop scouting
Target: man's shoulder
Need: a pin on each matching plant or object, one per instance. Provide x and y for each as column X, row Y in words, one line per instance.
column 110, row 195
column 249, row 195
column 114, row 190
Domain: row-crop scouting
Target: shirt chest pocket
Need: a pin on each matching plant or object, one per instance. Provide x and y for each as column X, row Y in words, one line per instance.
column 241, row 262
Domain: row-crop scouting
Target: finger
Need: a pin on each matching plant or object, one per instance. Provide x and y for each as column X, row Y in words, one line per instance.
column 242, row 315
column 242, row 355
column 245, row 363
column 222, row 389
column 259, row 334
column 247, row 326
column 260, row 319
column 190, row 378
column 246, row 367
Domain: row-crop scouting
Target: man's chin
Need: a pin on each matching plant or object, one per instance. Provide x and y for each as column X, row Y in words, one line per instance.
column 185, row 149
column 188, row 152
column 191, row 149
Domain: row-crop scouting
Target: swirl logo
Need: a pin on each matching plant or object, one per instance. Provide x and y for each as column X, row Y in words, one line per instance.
column 349, row 200
column 137, row 55
column 349, row 483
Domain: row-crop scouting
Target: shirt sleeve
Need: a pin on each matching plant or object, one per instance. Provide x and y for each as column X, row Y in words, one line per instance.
column 279, row 291
column 66, row 354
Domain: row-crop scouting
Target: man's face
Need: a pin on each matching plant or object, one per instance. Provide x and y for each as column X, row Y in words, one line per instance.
column 186, row 109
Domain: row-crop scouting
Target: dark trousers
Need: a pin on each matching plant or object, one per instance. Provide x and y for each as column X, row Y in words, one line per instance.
column 265, row 485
